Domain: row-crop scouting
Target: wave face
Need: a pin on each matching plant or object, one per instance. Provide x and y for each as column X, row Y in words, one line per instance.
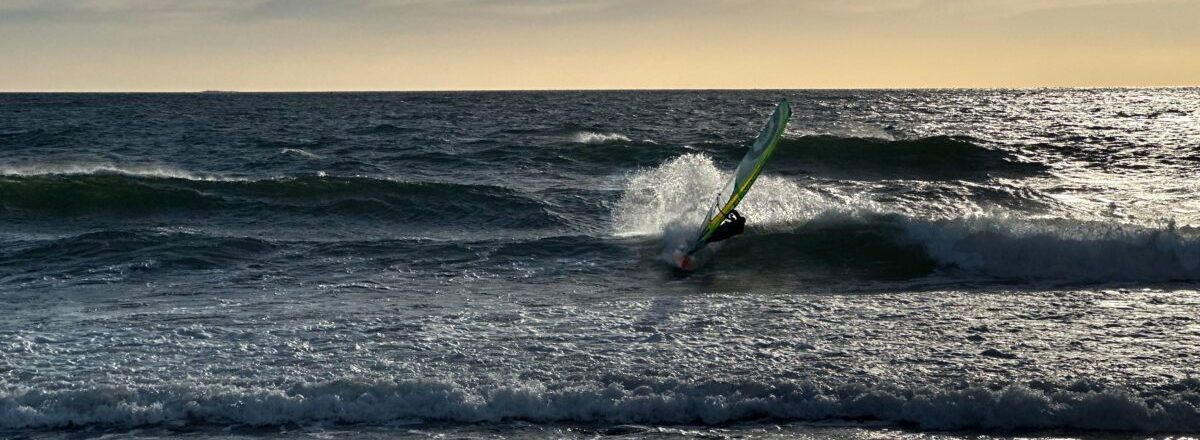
column 931, row 158
column 122, row 194
column 970, row 262
column 1069, row 250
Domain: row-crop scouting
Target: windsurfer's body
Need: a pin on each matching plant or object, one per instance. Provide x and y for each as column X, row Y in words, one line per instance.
column 734, row 224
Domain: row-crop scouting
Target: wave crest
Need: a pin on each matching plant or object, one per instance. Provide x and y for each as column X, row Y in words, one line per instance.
column 588, row 137
column 648, row 401
column 67, row 169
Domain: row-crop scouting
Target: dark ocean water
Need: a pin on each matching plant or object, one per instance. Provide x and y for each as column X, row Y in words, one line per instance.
column 494, row 264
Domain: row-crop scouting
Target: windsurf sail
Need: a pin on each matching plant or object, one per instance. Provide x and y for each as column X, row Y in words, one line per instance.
column 745, row 174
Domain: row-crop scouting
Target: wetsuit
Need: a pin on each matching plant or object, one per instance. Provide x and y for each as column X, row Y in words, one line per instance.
column 733, row 225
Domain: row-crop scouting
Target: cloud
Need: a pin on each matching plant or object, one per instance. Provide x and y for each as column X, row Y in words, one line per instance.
column 966, row 8
column 110, row 10
column 1005, row 8
column 313, row 9
column 124, row 6
column 868, row 6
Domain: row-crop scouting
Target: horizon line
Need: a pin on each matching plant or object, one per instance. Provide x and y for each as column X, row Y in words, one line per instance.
column 220, row 91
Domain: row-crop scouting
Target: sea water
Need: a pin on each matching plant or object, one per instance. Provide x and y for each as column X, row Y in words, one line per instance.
column 917, row 263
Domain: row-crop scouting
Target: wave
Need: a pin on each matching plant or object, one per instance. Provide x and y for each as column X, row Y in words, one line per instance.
column 111, row 255
column 298, row 144
column 381, row 129
column 843, row 246
column 503, row 256
column 794, row 228
column 155, row 192
column 57, row 169
column 126, row 252
column 595, row 157
column 587, row 137
column 848, row 130
column 1154, row 114
column 1062, row 249
column 936, row 158
column 892, row 246
column 301, row 152
column 930, row 158
column 614, row 400
column 40, row 137
column 833, row 248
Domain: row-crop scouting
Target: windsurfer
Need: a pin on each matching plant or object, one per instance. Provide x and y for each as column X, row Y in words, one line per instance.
column 734, row 224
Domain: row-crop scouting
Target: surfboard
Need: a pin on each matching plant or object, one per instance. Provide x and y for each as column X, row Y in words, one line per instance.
column 744, row 176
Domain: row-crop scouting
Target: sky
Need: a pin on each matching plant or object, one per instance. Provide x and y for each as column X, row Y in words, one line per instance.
column 312, row 45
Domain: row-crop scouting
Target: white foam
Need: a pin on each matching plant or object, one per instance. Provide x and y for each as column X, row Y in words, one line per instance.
column 677, row 194
column 845, row 130
column 587, row 137
column 671, row 201
column 103, row 168
column 674, row 192
column 299, row 151
column 644, row 400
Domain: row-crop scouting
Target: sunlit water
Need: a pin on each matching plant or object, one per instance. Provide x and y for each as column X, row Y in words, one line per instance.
column 382, row 265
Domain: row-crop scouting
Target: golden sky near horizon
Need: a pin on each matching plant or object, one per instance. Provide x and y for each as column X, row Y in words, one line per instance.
column 269, row 45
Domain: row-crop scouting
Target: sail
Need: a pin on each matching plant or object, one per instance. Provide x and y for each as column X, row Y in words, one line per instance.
column 745, row 174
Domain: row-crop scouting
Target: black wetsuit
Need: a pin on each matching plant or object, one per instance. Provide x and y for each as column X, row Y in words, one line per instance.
column 734, row 225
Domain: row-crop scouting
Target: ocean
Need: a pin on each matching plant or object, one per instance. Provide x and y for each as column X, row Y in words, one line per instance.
column 916, row 264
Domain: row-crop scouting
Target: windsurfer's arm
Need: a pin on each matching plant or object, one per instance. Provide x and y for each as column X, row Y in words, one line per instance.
column 737, row 221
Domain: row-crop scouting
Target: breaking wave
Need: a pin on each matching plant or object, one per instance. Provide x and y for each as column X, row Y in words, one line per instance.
column 796, row 228
column 632, row 400
column 105, row 168
column 1061, row 249
column 587, row 137
column 301, row 152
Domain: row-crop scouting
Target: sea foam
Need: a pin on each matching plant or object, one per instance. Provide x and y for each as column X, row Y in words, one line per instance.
column 301, row 152
column 161, row 171
column 587, row 137
column 648, row 401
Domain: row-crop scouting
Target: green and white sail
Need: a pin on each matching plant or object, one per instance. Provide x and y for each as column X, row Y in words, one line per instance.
column 745, row 174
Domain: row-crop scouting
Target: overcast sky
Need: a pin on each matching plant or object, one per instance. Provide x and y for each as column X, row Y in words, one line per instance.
column 185, row 45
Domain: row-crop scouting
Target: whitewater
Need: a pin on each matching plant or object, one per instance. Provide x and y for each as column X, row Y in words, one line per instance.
column 917, row 263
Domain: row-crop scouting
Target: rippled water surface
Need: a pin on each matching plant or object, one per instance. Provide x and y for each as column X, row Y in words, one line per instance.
column 346, row 265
